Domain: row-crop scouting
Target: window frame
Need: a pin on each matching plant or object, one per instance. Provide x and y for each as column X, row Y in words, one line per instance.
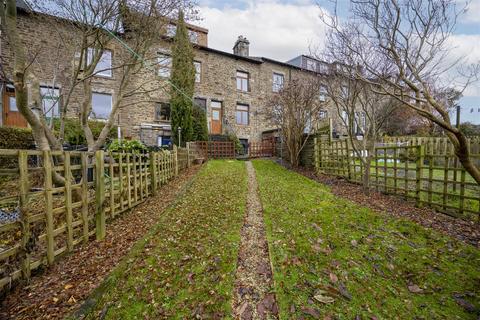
column 242, row 114
column 111, row 105
column 56, row 105
column 158, row 113
column 243, row 80
column 164, row 70
column 276, row 87
column 323, row 93
column 107, row 72
column 198, row 72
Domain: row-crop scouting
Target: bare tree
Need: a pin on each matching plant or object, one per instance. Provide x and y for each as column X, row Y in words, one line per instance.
column 296, row 112
column 86, row 31
column 362, row 112
column 404, row 49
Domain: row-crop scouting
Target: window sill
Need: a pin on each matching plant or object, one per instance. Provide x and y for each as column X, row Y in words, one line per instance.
column 99, row 76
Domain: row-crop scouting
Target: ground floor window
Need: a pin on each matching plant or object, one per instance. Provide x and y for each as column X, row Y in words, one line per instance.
column 50, row 101
column 162, row 111
column 101, row 105
column 242, row 114
column 164, row 141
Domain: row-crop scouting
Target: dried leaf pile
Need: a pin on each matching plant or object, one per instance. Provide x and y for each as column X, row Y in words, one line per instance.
column 63, row 287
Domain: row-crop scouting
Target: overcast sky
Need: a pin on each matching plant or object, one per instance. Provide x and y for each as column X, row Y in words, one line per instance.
column 285, row 29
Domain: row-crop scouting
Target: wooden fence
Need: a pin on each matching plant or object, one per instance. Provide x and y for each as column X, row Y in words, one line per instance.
column 429, row 178
column 264, row 148
column 212, row 149
column 52, row 201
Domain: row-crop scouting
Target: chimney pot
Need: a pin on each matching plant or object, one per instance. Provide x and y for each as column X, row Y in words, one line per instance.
column 241, row 47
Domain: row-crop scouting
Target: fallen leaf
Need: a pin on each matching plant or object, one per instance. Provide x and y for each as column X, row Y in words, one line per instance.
column 415, row 289
column 55, row 299
column 68, row 286
column 311, row 311
column 333, row 278
column 354, row 243
column 324, row 299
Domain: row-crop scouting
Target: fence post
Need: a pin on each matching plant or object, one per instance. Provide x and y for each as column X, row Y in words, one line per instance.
column 99, row 195
column 330, row 130
column 68, row 199
column 349, row 170
column 24, row 187
column 153, row 171
column 47, row 165
column 419, row 172
column 175, row 150
column 315, row 152
column 188, row 154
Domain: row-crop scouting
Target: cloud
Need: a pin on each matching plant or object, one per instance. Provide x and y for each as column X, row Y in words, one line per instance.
column 472, row 15
column 276, row 30
column 467, row 48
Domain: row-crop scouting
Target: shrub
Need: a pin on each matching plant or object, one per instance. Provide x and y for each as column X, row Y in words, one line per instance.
column 130, row 146
column 16, row 138
column 74, row 133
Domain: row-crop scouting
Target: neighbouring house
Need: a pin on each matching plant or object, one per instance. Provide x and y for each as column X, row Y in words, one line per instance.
column 233, row 88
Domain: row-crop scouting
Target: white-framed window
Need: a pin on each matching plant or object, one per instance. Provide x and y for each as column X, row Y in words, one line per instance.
column 50, row 101
column 323, row 67
column 323, row 93
column 101, row 105
column 242, row 81
column 242, row 114
column 164, row 65
column 193, row 36
column 311, row 64
column 344, row 92
column 171, row 30
column 198, row 70
column 162, row 111
column 104, row 65
column 278, row 80
column 322, row 114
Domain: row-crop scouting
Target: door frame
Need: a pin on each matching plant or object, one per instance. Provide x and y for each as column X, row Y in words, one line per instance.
column 220, row 109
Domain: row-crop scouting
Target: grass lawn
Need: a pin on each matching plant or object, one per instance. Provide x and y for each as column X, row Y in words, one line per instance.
column 333, row 258
column 185, row 267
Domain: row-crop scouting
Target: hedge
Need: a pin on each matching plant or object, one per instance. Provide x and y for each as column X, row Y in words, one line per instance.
column 16, row 138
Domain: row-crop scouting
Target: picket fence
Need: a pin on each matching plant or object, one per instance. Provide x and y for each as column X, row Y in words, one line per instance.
column 426, row 173
column 53, row 201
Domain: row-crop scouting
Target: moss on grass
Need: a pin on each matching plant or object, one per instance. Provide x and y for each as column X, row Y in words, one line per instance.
column 371, row 264
column 185, row 267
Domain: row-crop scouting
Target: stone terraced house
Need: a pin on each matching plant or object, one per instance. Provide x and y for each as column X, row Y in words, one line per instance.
column 233, row 88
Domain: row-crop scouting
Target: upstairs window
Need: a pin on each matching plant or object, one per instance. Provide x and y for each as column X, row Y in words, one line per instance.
column 164, row 65
column 50, row 101
column 322, row 114
column 198, row 71
column 242, row 81
column 171, row 30
column 323, row 93
column 323, row 68
column 193, row 36
column 311, row 64
column 101, row 105
column 278, row 80
column 104, row 65
column 242, row 114
column 162, row 111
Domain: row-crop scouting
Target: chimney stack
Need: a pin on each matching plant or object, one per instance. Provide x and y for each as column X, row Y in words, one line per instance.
column 241, row 47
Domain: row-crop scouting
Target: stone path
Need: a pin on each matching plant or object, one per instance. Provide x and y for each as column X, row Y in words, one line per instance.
column 254, row 297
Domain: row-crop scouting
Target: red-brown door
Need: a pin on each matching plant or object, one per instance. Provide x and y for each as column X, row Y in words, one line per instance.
column 216, row 117
column 11, row 116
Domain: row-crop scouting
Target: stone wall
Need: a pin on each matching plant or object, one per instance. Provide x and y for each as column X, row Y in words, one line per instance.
column 47, row 40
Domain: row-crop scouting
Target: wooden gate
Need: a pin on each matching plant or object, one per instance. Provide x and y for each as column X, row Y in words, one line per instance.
column 265, row 148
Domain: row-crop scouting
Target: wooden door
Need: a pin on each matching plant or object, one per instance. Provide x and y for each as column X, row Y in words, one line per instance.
column 11, row 116
column 216, row 117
